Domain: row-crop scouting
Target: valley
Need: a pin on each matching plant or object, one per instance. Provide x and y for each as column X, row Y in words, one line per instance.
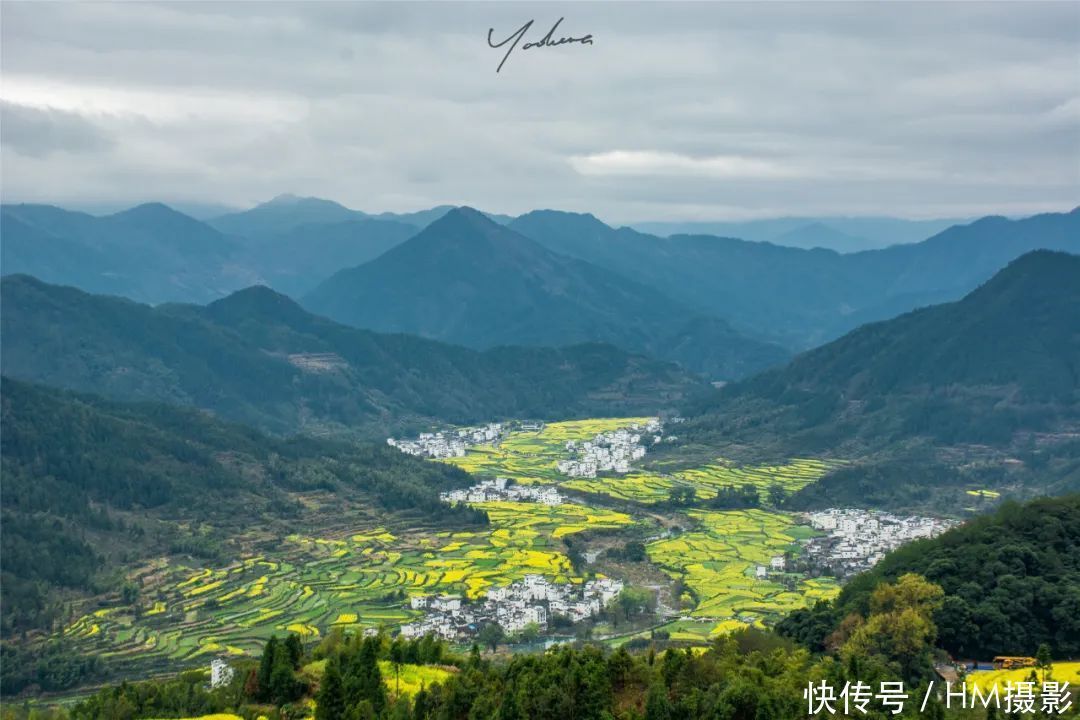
column 346, row 377
column 706, row 571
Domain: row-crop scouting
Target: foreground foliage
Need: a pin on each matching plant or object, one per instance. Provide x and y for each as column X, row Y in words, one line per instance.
column 1011, row 582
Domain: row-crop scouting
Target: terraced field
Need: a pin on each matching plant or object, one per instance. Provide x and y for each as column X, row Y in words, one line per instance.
column 531, row 457
column 312, row 584
column 363, row 578
column 717, row 561
column 651, row 487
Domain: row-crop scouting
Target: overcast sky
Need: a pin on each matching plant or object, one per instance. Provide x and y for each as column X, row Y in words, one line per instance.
column 676, row 111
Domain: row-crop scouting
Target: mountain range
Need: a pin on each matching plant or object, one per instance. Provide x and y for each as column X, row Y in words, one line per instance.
column 801, row 298
column 842, row 234
column 287, row 212
column 990, row 383
column 149, row 252
column 468, row 280
column 259, row 358
column 741, row 297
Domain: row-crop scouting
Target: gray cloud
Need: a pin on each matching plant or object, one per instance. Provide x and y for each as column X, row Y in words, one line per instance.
column 40, row 132
column 678, row 111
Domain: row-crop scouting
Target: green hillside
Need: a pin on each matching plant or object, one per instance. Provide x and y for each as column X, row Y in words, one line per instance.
column 258, row 358
column 91, row 484
column 987, row 387
column 1011, row 582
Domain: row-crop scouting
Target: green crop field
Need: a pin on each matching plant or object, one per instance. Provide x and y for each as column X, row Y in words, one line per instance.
column 529, row 457
column 717, row 561
column 363, row 578
column 312, row 584
column 532, row 457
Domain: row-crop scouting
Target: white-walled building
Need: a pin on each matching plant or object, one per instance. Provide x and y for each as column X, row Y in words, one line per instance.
column 221, row 673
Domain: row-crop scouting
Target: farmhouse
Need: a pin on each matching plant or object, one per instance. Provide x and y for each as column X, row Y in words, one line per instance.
column 503, row 489
column 856, row 539
column 607, row 452
column 221, row 673
column 529, row 601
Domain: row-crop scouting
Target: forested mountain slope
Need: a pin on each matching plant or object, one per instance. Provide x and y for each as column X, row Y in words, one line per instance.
column 259, row 358
column 468, row 280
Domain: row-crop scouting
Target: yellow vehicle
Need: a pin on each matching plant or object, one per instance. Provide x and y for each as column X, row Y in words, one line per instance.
column 1006, row 662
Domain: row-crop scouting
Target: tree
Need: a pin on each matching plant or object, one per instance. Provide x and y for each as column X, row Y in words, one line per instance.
column 657, row 703
column 632, row 601
column 491, row 635
column 900, row 625
column 777, row 494
column 295, row 649
column 266, row 667
column 283, row 684
column 1044, row 661
column 397, row 659
column 530, row 633
column 251, row 685
column 330, row 700
column 362, row 678
column 422, row 705
column 682, row 495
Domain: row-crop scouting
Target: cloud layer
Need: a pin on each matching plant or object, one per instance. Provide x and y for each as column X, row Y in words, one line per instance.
column 696, row 111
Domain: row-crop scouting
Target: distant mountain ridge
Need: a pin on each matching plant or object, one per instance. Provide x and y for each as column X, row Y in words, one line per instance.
column 842, row 234
column 804, row 297
column 149, row 252
column 152, row 253
column 468, row 280
column 285, row 213
column 258, row 357
column 793, row 297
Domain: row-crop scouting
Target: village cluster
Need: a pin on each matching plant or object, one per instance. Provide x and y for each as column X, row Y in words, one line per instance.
column 856, row 540
column 533, row 600
column 502, row 490
column 609, row 451
column 451, row 443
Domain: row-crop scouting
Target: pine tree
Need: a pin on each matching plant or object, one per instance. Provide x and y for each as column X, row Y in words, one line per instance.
column 509, row 709
column 362, row 678
column 422, row 704
column 397, row 659
column 295, row 649
column 283, row 685
column 330, row 700
column 266, row 667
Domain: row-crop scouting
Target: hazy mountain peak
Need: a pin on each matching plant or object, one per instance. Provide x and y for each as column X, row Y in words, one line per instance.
column 564, row 220
column 282, row 214
column 460, row 227
column 466, row 214
column 154, row 212
column 289, row 200
column 283, row 199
